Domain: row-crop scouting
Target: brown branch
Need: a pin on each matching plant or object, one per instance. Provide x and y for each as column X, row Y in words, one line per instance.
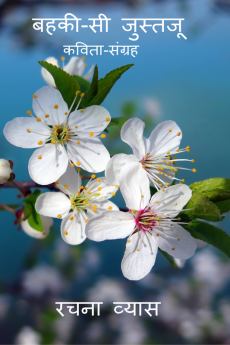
column 26, row 185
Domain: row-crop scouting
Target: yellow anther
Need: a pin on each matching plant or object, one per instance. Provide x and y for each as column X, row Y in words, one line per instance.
column 188, row 147
column 178, row 239
column 177, row 150
column 84, row 202
column 164, row 161
column 72, row 165
column 81, row 111
column 183, row 180
column 173, row 248
column 56, row 134
column 91, row 134
column 66, row 113
column 78, row 163
column 147, row 156
column 59, row 216
column 194, row 170
column 28, row 130
column 193, row 160
column 66, row 233
column 163, row 203
column 172, row 169
column 71, row 218
column 163, row 190
column 82, row 95
column 179, row 219
column 78, row 193
column 78, row 169
column 65, row 137
column 83, row 58
column 187, row 150
column 98, row 180
column 78, row 142
column 35, row 96
column 179, row 133
column 29, row 112
column 103, row 136
column 55, row 106
column 157, row 179
column 77, row 92
column 158, row 234
column 85, row 64
column 117, row 186
column 158, row 168
column 85, row 188
column 89, row 205
column 93, row 176
column 113, row 194
column 107, row 119
column 151, row 212
column 168, row 153
column 167, row 184
column 160, row 173
column 162, row 168
column 65, row 186
column 170, row 130
column 76, row 126
column 40, row 157
column 138, row 250
column 63, row 58
column 40, row 142
column 180, row 182
column 57, row 182
column 73, row 203
column 168, row 163
column 110, row 208
column 66, row 123
column 87, row 199
column 53, row 142
column 55, row 126
column 99, row 188
column 163, row 173
column 46, row 116
column 86, row 220
column 128, row 240
column 38, row 119
column 190, row 223
column 89, row 192
column 143, row 166
column 168, row 174
column 82, row 187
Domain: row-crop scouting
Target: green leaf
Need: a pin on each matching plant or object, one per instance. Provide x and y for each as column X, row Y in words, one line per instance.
column 14, row 206
column 169, row 258
column 65, row 83
column 129, row 109
column 84, row 84
column 210, row 184
column 27, row 210
column 34, row 219
column 210, row 234
column 223, row 206
column 218, row 194
column 106, row 84
column 204, row 208
column 93, row 86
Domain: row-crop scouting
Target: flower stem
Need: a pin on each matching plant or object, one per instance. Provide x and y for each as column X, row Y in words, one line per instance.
column 7, row 208
column 22, row 190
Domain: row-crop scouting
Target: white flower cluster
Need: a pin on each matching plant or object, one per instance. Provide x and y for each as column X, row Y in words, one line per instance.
column 66, row 139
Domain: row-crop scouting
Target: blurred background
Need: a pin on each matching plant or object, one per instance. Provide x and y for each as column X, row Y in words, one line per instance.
column 185, row 81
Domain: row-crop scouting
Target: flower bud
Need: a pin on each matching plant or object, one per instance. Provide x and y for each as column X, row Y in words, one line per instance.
column 47, row 222
column 5, row 171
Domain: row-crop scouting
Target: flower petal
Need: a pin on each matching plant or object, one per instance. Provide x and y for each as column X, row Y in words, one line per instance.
column 134, row 185
column 51, row 166
column 73, row 230
column 46, row 75
column 110, row 225
column 116, row 163
column 52, row 204
column 70, row 178
column 101, row 207
column 100, row 187
column 136, row 264
column 90, row 153
column 16, row 132
column 47, row 222
column 176, row 241
column 174, row 197
column 75, row 66
column 93, row 119
column 89, row 74
column 43, row 104
column 132, row 134
column 162, row 140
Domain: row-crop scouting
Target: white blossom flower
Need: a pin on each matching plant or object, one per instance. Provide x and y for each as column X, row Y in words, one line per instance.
column 149, row 224
column 28, row 336
column 47, row 222
column 153, row 154
column 77, row 205
column 199, row 243
column 76, row 66
column 54, row 130
column 5, row 171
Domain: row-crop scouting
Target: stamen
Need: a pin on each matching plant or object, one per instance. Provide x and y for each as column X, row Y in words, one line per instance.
column 40, row 157
column 103, row 136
